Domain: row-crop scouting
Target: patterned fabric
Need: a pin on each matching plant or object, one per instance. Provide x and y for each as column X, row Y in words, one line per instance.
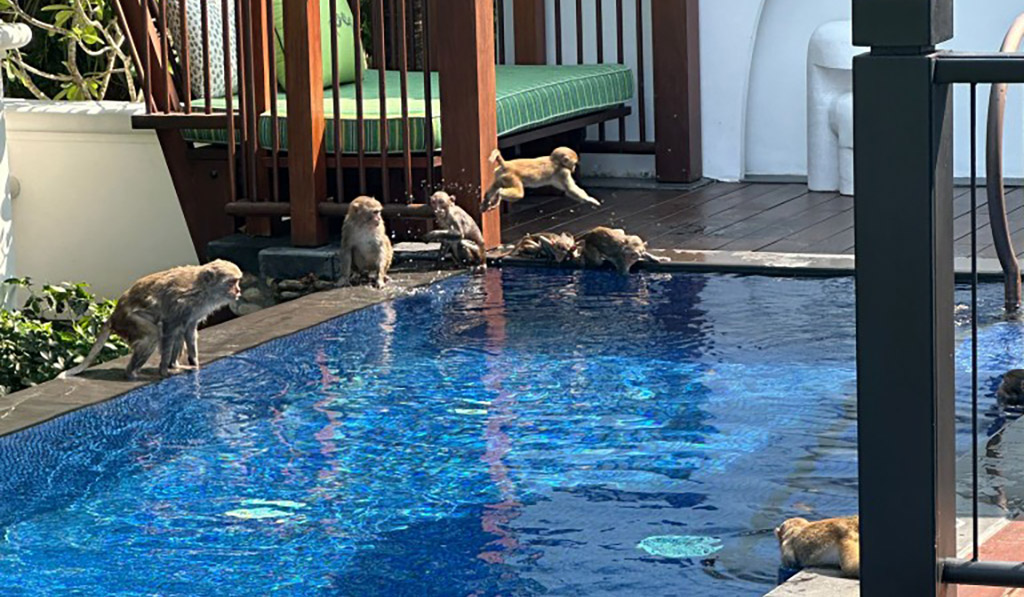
column 528, row 97
column 215, row 30
column 346, row 42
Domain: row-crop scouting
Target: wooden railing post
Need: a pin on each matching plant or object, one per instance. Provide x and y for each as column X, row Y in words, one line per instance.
column 307, row 159
column 529, row 25
column 470, row 130
column 676, row 45
column 263, row 93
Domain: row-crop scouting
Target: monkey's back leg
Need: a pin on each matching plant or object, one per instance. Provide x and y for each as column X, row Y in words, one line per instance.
column 849, row 556
column 142, row 335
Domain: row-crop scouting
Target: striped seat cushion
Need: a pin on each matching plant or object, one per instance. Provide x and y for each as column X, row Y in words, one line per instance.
column 528, row 97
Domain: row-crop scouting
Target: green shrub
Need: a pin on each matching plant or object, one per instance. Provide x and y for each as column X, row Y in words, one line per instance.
column 54, row 329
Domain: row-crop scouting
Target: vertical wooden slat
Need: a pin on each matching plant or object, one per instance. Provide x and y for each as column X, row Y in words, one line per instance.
column 382, row 90
column 621, row 54
column 428, row 96
column 228, row 97
column 339, row 189
column 207, row 70
column 529, row 29
column 243, row 99
column 147, row 71
column 599, row 17
column 466, row 63
column 403, row 66
column 641, row 85
column 184, row 52
column 499, row 43
column 307, row 160
column 579, row 31
column 252, row 121
column 259, row 25
column 165, row 54
column 676, row 90
column 360, row 120
column 558, row 31
column 275, row 147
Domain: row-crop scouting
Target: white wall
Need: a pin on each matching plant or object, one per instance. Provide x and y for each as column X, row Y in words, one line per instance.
column 97, row 203
column 753, row 80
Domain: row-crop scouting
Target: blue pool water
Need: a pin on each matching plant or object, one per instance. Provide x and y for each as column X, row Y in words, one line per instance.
column 522, row 433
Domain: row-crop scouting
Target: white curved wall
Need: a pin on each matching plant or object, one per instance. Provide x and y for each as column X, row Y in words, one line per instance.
column 97, row 203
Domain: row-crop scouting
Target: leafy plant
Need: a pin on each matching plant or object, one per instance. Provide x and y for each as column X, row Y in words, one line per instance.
column 55, row 328
column 75, row 53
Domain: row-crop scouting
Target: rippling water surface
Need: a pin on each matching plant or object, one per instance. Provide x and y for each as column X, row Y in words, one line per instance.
column 515, row 434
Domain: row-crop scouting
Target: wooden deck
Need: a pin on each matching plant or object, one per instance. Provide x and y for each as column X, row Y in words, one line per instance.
column 738, row 217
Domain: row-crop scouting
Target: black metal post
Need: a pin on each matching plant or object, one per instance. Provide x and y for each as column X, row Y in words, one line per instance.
column 904, row 238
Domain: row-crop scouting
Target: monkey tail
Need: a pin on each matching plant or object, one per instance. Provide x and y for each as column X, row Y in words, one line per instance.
column 93, row 353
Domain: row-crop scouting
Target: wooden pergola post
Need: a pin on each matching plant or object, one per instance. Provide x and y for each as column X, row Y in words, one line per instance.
column 470, row 130
column 529, row 30
column 676, row 45
column 307, row 157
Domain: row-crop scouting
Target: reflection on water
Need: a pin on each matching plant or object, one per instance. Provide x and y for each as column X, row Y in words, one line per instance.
column 519, row 433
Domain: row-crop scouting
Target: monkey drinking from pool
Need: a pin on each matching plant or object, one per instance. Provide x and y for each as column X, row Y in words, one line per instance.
column 825, row 543
column 513, row 176
column 458, row 232
column 164, row 310
column 365, row 247
column 614, row 246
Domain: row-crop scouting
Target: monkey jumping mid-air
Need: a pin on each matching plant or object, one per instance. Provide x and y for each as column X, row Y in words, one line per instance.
column 513, row 176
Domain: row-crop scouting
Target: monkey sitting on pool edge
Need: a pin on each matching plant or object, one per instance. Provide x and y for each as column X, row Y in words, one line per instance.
column 163, row 310
column 365, row 250
column 555, row 247
column 833, row 542
column 513, row 176
column 458, row 233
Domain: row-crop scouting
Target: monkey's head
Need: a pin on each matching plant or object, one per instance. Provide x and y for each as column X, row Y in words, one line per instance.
column 566, row 158
column 633, row 249
column 789, row 527
column 562, row 247
column 1012, row 387
column 441, row 202
column 221, row 279
column 365, row 210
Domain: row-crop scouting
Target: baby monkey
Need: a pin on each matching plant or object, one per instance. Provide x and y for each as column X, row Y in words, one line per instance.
column 827, row 543
column 1011, row 390
column 614, row 246
column 555, row 247
column 458, row 232
column 365, row 248
column 555, row 170
column 164, row 310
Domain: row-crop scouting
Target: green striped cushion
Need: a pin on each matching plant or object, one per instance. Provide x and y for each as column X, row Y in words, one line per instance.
column 528, row 97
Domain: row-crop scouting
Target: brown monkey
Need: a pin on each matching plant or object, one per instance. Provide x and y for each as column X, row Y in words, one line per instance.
column 458, row 232
column 555, row 247
column 830, row 542
column 555, row 170
column 164, row 310
column 365, row 248
column 1011, row 390
column 613, row 245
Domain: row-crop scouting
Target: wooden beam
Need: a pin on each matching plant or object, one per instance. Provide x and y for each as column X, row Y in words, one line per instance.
column 470, row 130
column 307, row 163
column 529, row 29
column 676, row 46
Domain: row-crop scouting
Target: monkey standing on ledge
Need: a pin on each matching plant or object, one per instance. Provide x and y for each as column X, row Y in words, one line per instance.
column 365, row 247
column 830, row 542
column 458, row 232
column 164, row 310
column 555, row 170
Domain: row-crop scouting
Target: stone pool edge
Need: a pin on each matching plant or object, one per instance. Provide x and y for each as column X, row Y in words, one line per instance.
column 49, row 400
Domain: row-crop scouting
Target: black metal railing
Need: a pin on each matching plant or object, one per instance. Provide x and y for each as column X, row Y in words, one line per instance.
column 903, row 143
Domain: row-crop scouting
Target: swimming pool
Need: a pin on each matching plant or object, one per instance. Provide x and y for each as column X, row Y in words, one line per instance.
column 521, row 433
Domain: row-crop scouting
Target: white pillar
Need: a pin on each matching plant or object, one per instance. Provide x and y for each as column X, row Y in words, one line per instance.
column 11, row 36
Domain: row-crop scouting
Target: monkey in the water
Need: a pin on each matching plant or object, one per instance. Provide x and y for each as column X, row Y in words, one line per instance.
column 826, row 543
column 614, row 246
column 1011, row 390
column 553, row 246
column 164, row 310
column 458, row 232
column 513, row 176
column 365, row 247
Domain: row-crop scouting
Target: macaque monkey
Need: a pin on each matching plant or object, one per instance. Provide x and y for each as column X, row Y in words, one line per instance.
column 457, row 231
column 825, row 543
column 365, row 248
column 555, row 170
column 164, row 310
column 555, row 247
column 1011, row 390
column 614, row 246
